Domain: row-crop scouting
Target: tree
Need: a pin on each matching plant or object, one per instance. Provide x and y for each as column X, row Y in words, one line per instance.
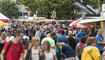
column 63, row 8
column 93, row 3
column 9, row 9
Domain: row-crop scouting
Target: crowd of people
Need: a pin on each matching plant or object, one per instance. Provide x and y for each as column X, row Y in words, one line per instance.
column 40, row 41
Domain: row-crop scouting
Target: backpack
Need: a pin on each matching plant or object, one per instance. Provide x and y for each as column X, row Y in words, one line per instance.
column 9, row 47
column 80, row 48
column 25, row 41
column 59, row 54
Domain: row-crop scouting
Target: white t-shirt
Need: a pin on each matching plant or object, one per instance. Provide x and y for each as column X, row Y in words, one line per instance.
column 49, row 56
column 38, row 34
column 35, row 54
column 25, row 37
column 9, row 38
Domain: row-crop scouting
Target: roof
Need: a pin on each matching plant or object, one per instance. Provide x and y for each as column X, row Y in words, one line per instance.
column 90, row 20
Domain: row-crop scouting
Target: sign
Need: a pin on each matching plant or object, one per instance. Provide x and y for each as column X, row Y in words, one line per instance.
column 84, row 8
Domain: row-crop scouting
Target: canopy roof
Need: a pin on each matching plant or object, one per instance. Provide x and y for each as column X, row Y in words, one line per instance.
column 90, row 19
column 4, row 18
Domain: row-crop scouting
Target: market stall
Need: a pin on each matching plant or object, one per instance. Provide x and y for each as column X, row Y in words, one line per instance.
column 77, row 24
column 4, row 18
column 2, row 24
column 45, row 20
column 91, row 22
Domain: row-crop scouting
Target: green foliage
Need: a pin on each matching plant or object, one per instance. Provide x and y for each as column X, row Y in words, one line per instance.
column 93, row 3
column 9, row 9
column 63, row 8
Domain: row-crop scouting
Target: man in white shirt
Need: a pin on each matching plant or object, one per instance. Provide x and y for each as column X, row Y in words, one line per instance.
column 38, row 33
column 9, row 36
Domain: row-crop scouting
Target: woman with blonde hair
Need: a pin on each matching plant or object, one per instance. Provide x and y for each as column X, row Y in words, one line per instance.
column 35, row 53
column 91, row 52
column 2, row 41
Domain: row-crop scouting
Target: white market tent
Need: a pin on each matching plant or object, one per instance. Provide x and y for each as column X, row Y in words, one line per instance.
column 90, row 20
column 4, row 18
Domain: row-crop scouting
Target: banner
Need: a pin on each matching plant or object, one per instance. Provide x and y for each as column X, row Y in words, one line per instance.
column 84, row 8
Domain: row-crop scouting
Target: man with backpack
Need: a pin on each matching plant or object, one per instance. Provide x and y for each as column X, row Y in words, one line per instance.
column 14, row 50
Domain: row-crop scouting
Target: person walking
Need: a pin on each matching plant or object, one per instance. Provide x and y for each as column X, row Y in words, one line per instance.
column 13, row 50
column 72, row 40
column 2, row 42
column 66, row 51
column 50, row 39
column 63, row 38
column 91, row 52
column 35, row 53
column 9, row 36
column 100, row 41
column 38, row 33
column 80, row 34
column 80, row 46
column 27, row 46
column 49, row 53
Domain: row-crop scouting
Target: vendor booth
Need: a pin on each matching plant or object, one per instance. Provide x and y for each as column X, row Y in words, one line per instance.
column 4, row 18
